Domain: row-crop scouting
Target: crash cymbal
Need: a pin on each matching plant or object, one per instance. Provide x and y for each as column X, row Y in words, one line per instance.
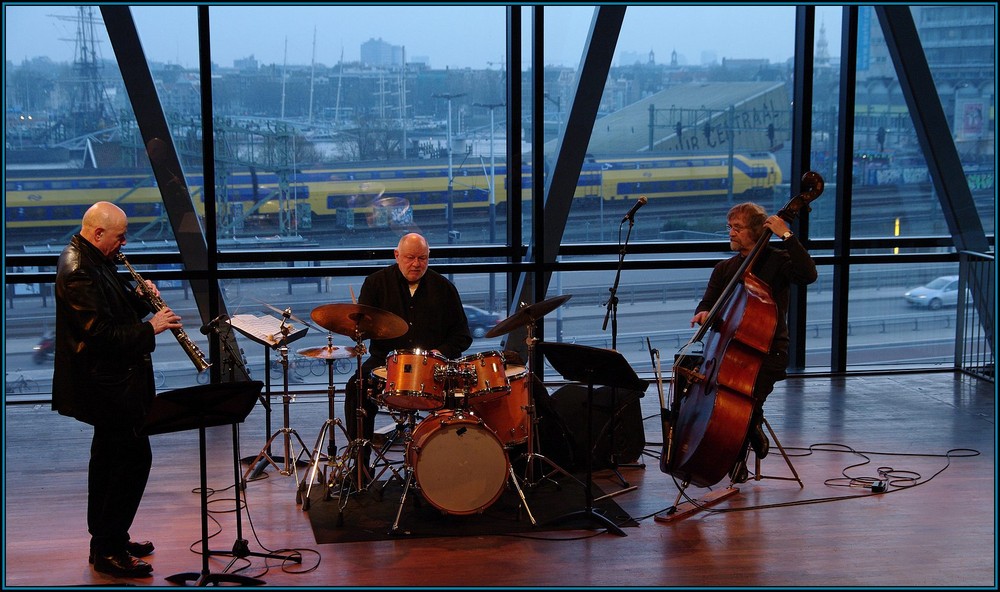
column 328, row 352
column 527, row 314
column 352, row 319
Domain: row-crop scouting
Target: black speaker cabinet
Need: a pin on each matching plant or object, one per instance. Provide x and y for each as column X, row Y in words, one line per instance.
column 616, row 424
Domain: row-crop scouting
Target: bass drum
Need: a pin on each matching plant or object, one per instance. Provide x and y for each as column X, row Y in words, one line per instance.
column 459, row 463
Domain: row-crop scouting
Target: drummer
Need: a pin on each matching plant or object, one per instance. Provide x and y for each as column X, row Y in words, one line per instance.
column 430, row 305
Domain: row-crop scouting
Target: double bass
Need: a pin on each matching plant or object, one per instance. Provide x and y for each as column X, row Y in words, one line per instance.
column 715, row 372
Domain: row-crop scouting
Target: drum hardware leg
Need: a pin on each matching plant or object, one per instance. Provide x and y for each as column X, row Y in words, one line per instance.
column 327, row 428
column 531, row 455
column 339, row 468
column 402, row 430
column 402, row 501
column 264, row 458
column 356, row 476
column 317, row 458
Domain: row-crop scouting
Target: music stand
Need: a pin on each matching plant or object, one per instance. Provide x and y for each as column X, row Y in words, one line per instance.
column 200, row 407
column 592, row 366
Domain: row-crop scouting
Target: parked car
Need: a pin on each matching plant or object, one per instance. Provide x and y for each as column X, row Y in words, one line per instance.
column 942, row 291
column 480, row 321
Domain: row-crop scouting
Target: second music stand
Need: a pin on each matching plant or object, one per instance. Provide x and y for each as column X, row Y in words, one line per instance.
column 592, row 366
column 200, row 407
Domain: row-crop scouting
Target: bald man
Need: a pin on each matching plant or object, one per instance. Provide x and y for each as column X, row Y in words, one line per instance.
column 104, row 377
column 430, row 305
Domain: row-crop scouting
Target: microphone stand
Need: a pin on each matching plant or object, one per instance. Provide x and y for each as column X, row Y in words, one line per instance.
column 612, row 314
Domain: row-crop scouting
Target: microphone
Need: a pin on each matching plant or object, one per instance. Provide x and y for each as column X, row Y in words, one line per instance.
column 213, row 324
column 631, row 213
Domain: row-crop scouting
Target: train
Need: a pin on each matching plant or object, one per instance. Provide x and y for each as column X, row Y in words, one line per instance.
column 385, row 193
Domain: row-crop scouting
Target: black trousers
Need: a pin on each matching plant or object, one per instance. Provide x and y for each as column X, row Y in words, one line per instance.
column 120, row 463
column 771, row 371
column 351, row 396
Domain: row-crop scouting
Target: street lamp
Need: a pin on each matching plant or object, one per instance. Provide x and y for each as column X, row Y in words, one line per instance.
column 558, row 103
column 493, row 182
column 451, row 177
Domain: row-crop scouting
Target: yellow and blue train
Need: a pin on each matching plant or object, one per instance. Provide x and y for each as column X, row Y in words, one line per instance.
column 57, row 199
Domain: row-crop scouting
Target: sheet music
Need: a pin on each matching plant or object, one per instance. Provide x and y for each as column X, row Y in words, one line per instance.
column 266, row 329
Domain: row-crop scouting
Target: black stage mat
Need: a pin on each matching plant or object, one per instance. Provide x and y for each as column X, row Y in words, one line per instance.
column 368, row 516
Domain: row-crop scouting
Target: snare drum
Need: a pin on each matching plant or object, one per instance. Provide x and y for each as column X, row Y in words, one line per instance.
column 486, row 376
column 415, row 379
column 459, row 464
column 508, row 416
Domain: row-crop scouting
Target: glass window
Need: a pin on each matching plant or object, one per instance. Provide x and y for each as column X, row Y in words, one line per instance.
column 379, row 120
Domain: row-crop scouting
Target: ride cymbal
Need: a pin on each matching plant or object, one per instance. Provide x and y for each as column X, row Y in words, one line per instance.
column 359, row 321
column 328, row 352
column 527, row 314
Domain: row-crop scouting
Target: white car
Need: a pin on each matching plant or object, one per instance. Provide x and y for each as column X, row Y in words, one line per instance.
column 942, row 291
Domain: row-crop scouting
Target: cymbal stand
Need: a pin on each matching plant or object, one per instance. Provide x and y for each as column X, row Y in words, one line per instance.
column 285, row 431
column 331, row 450
column 531, row 455
column 357, row 475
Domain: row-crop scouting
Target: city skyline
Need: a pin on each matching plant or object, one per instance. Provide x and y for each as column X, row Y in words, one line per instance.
column 427, row 33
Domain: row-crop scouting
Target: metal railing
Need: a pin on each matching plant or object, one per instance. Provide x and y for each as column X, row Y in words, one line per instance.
column 977, row 297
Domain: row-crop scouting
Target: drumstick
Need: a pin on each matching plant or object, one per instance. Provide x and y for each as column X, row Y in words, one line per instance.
column 353, row 299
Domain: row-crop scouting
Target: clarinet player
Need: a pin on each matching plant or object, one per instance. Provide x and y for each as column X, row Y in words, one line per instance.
column 104, row 377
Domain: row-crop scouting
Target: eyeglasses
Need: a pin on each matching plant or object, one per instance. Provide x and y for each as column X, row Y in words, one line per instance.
column 736, row 227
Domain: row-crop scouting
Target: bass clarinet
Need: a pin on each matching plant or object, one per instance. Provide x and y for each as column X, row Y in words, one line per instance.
column 157, row 304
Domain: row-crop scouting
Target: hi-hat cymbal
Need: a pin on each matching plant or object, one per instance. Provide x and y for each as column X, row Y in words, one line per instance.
column 527, row 315
column 360, row 321
column 328, row 352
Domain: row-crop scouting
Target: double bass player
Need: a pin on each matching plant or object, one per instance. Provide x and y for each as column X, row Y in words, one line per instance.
column 778, row 267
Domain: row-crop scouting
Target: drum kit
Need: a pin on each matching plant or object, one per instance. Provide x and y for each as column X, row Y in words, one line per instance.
column 460, row 419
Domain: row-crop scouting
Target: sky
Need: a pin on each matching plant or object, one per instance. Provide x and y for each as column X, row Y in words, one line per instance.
column 452, row 36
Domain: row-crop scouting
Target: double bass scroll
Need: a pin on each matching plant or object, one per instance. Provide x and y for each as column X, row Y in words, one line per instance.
column 715, row 372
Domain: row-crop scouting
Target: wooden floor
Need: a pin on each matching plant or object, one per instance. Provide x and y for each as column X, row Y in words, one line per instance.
column 930, row 435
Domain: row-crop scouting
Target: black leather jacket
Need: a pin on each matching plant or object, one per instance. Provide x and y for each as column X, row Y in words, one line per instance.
column 103, row 371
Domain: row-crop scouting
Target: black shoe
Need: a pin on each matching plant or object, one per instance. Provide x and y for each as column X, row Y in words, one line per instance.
column 139, row 548
column 123, row 565
column 758, row 441
column 135, row 548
